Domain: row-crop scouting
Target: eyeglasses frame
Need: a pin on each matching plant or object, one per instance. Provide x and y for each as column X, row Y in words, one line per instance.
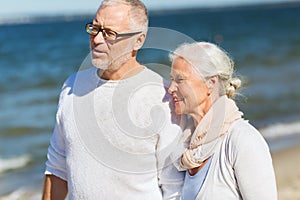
column 101, row 29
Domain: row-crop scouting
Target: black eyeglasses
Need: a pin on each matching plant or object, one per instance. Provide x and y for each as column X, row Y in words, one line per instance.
column 106, row 33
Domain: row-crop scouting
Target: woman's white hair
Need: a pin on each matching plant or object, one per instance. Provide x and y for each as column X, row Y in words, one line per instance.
column 208, row 60
column 138, row 13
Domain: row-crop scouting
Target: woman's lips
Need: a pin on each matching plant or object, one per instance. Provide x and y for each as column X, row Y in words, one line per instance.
column 176, row 99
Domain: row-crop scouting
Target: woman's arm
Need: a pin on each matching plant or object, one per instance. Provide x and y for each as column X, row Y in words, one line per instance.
column 252, row 164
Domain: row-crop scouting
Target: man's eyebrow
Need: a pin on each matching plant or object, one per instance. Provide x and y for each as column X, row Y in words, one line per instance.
column 95, row 21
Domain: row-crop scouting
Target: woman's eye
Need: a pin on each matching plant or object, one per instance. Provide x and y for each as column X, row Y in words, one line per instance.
column 179, row 80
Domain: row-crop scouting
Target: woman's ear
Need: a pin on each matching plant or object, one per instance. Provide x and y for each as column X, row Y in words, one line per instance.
column 212, row 82
column 139, row 42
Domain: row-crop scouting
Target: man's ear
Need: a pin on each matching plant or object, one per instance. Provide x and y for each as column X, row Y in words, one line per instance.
column 139, row 42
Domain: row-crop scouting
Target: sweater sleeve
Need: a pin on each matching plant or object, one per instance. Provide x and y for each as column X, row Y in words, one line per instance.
column 252, row 164
column 56, row 158
column 56, row 163
column 169, row 175
column 171, row 182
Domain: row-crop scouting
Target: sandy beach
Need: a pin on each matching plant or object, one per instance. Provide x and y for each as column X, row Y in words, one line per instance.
column 286, row 163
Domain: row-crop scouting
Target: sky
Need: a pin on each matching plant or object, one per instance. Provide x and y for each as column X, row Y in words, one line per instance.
column 21, row 8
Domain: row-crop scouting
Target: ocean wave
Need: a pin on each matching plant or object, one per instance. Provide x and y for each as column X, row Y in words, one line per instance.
column 281, row 129
column 23, row 193
column 13, row 163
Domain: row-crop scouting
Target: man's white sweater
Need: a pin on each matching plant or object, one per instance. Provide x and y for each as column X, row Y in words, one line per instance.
column 112, row 138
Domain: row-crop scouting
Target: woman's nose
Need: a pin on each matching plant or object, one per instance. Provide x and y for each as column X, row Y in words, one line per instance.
column 172, row 88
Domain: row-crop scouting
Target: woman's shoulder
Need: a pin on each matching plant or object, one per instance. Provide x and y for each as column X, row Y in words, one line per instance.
column 242, row 128
column 243, row 135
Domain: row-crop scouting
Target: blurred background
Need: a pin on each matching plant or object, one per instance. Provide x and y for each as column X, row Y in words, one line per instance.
column 44, row 42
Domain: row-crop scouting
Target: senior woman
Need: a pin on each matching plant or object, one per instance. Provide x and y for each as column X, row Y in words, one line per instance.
column 227, row 158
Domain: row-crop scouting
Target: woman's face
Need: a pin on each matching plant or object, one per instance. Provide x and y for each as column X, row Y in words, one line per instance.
column 190, row 92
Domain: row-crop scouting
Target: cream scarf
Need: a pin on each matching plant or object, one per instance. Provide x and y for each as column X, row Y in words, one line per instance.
column 210, row 131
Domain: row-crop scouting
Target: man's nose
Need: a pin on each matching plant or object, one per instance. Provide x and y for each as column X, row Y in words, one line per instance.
column 98, row 38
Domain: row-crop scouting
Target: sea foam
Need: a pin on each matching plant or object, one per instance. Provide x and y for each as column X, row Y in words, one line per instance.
column 281, row 129
column 13, row 163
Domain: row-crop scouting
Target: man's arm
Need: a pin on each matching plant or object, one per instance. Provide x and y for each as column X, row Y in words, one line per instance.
column 170, row 176
column 171, row 182
column 54, row 188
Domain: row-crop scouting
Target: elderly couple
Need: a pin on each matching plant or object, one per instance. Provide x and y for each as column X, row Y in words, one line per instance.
column 122, row 133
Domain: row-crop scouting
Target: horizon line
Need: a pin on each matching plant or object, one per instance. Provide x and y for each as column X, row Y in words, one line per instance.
column 71, row 16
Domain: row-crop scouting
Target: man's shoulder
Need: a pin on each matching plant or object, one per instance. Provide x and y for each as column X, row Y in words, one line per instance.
column 81, row 74
column 84, row 79
column 157, row 76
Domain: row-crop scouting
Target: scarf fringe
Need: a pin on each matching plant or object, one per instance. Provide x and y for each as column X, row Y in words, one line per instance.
column 210, row 131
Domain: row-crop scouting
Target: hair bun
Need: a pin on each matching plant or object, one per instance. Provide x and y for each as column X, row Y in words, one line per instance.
column 235, row 82
column 233, row 85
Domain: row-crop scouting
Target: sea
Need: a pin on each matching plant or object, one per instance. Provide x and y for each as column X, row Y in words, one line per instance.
column 38, row 54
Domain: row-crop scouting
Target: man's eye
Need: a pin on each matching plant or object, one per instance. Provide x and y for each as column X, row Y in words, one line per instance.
column 110, row 33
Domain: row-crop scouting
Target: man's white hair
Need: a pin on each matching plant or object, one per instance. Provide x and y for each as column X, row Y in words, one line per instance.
column 138, row 13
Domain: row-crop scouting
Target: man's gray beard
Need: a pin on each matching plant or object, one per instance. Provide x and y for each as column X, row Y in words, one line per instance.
column 113, row 65
column 100, row 64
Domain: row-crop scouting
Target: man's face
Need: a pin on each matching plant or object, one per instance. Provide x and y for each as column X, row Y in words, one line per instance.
column 112, row 54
